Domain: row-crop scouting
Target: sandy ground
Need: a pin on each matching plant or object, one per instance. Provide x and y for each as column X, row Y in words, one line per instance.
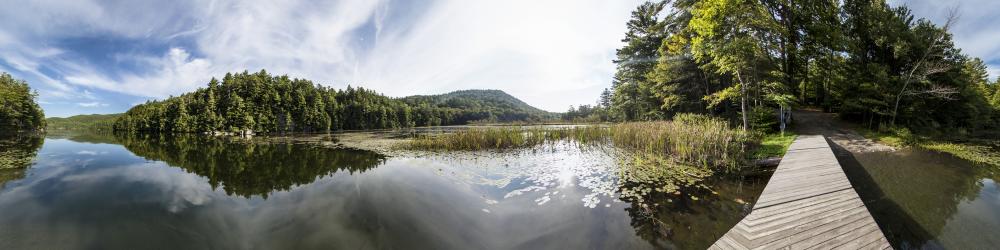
column 811, row 122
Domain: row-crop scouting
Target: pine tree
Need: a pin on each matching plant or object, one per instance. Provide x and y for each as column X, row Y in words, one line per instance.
column 632, row 99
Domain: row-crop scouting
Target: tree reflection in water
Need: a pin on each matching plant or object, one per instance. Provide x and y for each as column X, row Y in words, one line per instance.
column 668, row 206
column 247, row 168
column 17, row 152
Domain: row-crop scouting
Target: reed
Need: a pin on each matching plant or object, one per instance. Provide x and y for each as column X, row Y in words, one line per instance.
column 500, row 138
column 689, row 139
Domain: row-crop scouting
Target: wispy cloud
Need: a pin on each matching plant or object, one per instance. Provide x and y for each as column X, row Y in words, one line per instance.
column 101, row 54
column 91, row 104
column 552, row 53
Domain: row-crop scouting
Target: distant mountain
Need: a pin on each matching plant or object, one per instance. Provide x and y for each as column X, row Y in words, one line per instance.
column 483, row 105
column 82, row 122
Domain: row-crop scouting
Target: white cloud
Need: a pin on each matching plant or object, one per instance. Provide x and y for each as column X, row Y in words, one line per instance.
column 551, row 54
column 92, row 104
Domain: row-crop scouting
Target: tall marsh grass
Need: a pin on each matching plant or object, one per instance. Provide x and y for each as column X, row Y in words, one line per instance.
column 499, row 138
column 689, row 139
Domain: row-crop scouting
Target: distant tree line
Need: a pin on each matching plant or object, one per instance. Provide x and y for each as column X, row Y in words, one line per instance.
column 18, row 109
column 864, row 59
column 93, row 122
column 273, row 104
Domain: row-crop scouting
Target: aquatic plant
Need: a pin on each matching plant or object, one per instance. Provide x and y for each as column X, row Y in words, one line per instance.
column 982, row 154
column 689, row 139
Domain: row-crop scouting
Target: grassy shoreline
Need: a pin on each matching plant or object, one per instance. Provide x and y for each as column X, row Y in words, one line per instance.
column 692, row 140
column 978, row 151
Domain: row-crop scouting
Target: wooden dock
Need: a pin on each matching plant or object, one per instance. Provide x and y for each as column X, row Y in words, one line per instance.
column 807, row 204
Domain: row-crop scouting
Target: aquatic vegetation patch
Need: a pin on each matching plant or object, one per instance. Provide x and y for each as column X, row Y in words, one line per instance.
column 982, row 154
column 646, row 174
column 507, row 137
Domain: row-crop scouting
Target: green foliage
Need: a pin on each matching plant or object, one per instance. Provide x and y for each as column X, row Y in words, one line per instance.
column 474, row 106
column 262, row 103
column 870, row 62
column 763, row 119
column 585, row 113
column 632, row 99
column 18, row 109
column 94, row 122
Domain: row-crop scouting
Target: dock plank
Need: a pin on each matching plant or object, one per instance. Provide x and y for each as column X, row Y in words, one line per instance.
column 807, row 204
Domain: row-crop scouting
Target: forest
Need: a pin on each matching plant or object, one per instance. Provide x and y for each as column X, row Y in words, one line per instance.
column 92, row 122
column 872, row 63
column 262, row 103
column 18, row 109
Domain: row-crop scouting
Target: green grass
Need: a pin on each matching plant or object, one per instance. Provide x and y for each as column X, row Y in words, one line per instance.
column 774, row 145
column 899, row 138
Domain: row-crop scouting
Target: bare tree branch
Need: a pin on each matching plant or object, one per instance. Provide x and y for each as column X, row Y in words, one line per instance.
column 922, row 68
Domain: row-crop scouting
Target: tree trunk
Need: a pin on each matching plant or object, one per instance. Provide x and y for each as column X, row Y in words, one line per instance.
column 743, row 102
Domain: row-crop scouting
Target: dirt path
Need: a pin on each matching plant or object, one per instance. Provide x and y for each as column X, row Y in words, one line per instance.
column 811, row 122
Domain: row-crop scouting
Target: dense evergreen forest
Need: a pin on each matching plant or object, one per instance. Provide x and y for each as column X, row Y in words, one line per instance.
column 872, row 63
column 18, row 109
column 264, row 103
column 93, row 122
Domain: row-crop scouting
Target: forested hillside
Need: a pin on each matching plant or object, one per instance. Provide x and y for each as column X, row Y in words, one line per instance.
column 264, row 103
column 99, row 122
column 872, row 63
column 480, row 105
column 18, row 109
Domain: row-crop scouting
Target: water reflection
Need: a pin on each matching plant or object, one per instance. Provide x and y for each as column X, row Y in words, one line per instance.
column 102, row 191
column 247, row 168
column 923, row 199
column 17, row 152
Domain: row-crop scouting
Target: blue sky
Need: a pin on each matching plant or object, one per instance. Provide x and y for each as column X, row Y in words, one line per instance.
column 91, row 56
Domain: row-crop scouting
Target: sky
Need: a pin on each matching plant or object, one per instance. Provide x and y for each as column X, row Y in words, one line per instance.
column 104, row 56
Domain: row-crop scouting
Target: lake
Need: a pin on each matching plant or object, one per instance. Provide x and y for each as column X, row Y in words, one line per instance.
column 928, row 200
column 191, row 192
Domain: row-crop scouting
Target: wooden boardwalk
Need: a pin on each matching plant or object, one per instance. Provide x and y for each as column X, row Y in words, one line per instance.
column 807, row 204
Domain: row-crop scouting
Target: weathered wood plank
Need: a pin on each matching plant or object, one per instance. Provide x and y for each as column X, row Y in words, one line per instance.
column 807, row 203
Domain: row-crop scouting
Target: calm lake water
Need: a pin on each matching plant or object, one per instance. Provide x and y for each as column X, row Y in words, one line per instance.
column 94, row 191
column 928, row 200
